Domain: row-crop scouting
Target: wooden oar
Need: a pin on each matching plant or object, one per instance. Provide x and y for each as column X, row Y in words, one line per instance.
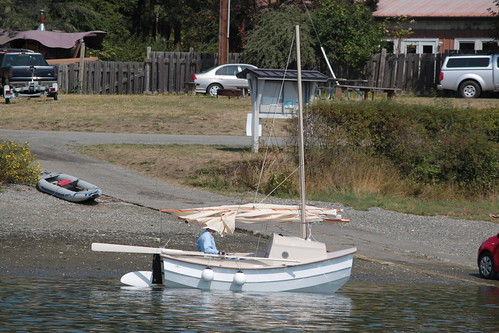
column 106, row 247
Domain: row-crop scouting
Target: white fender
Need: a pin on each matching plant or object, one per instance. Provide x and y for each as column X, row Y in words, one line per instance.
column 207, row 275
column 239, row 278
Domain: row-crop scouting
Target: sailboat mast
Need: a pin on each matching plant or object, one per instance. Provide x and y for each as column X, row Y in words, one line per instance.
column 301, row 150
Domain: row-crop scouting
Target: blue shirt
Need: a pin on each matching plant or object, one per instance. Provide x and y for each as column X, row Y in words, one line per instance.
column 206, row 243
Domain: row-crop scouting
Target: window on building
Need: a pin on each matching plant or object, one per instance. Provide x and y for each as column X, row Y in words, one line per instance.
column 466, row 46
column 411, row 49
column 419, row 46
column 428, row 49
column 490, row 46
column 389, row 46
column 470, row 45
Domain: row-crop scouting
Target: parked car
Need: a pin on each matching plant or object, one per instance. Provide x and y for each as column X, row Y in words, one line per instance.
column 488, row 258
column 470, row 75
column 26, row 73
column 220, row 77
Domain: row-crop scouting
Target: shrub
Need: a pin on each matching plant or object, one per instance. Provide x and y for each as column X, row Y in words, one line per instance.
column 427, row 145
column 281, row 184
column 380, row 149
column 17, row 164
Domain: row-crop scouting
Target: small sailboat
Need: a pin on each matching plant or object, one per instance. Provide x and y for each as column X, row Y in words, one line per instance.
column 291, row 264
column 67, row 187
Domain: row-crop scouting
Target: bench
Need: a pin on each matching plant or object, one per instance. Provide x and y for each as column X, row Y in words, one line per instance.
column 362, row 90
column 229, row 92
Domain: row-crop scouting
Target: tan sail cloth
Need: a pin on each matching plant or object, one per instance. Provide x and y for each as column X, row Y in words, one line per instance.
column 223, row 219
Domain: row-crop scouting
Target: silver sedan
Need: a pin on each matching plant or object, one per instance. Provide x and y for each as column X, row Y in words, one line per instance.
column 220, row 77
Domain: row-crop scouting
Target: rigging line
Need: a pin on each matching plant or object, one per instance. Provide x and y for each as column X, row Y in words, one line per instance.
column 319, row 40
column 258, row 243
column 312, row 22
column 267, row 150
column 278, row 185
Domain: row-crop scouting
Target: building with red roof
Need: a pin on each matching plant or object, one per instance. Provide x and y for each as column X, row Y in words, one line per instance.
column 53, row 44
column 439, row 26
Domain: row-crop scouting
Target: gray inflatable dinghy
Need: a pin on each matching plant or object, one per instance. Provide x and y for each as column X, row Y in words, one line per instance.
column 68, row 187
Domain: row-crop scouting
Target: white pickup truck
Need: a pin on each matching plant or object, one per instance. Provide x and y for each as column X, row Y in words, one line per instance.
column 470, row 75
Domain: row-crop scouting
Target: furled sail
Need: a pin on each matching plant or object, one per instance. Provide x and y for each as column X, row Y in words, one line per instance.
column 223, row 219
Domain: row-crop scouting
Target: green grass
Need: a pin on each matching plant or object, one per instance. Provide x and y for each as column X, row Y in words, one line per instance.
column 471, row 210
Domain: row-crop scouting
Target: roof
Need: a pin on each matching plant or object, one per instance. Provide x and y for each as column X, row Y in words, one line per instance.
column 434, row 8
column 51, row 39
column 283, row 74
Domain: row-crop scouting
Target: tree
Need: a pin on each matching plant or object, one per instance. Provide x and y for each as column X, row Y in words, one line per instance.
column 372, row 4
column 15, row 15
column 495, row 12
column 397, row 29
column 269, row 44
column 61, row 15
column 348, row 32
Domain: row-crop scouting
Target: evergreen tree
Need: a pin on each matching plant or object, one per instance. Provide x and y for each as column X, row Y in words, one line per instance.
column 270, row 43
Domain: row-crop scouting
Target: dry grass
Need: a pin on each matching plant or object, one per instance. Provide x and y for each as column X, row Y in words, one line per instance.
column 154, row 114
column 360, row 174
column 235, row 170
column 173, row 163
column 173, row 114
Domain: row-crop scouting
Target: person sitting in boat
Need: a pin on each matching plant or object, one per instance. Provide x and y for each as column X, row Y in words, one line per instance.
column 206, row 242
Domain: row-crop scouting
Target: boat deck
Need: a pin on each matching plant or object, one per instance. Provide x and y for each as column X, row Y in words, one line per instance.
column 231, row 261
column 244, row 260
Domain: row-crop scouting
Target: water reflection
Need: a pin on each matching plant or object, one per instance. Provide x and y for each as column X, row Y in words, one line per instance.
column 392, row 307
column 102, row 305
column 196, row 310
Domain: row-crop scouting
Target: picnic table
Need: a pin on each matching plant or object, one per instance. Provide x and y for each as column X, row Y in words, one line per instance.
column 364, row 91
column 339, row 87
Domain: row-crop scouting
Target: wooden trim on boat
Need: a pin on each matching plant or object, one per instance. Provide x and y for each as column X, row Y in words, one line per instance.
column 230, row 263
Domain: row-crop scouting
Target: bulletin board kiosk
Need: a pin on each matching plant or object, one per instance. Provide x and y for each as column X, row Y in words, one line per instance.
column 274, row 94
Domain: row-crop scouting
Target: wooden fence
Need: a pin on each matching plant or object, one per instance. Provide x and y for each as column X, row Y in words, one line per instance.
column 162, row 72
column 412, row 73
column 170, row 72
column 103, row 77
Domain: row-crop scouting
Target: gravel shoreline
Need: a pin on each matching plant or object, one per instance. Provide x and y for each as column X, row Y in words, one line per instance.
column 41, row 235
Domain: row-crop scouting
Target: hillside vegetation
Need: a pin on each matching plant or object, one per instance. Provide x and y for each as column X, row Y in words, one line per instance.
column 382, row 154
column 416, row 155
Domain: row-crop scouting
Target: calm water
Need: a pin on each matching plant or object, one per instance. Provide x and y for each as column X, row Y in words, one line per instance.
column 103, row 305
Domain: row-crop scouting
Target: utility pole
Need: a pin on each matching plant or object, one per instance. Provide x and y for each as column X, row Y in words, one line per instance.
column 223, row 32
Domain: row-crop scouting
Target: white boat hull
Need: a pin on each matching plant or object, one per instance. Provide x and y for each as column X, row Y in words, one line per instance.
column 289, row 264
column 324, row 276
